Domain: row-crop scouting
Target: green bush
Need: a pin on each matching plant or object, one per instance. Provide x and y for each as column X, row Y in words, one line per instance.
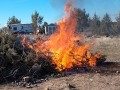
column 17, row 61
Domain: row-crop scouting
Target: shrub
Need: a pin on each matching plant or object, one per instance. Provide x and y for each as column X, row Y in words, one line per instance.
column 17, row 61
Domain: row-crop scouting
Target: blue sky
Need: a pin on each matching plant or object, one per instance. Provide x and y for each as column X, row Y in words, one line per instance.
column 52, row 10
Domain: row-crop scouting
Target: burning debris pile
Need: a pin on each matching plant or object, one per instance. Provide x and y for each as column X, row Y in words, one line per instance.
column 65, row 48
column 25, row 61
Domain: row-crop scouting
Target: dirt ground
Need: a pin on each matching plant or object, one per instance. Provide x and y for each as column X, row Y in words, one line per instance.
column 86, row 81
column 77, row 82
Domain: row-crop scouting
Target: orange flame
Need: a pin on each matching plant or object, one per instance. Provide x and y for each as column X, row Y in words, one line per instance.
column 68, row 7
column 66, row 46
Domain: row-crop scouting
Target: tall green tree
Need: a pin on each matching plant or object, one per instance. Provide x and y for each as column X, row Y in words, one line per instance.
column 117, row 24
column 82, row 19
column 36, row 21
column 106, row 25
column 95, row 24
column 13, row 20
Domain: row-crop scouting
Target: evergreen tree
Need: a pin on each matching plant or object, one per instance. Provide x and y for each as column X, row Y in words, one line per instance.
column 95, row 24
column 82, row 19
column 117, row 24
column 106, row 25
column 36, row 21
column 13, row 20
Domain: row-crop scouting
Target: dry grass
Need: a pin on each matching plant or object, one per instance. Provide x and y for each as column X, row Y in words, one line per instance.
column 107, row 46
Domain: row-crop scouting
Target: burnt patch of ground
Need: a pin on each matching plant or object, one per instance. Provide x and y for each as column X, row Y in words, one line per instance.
column 106, row 68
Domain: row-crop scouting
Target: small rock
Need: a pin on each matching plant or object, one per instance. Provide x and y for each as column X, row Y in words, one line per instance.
column 34, row 85
column 46, row 79
column 38, row 81
column 91, row 79
column 17, row 84
column 28, row 85
column 26, row 79
column 117, row 72
column 96, row 71
column 71, row 86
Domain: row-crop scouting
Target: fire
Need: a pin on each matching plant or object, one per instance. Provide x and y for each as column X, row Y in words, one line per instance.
column 66, row 46
column 68, row 7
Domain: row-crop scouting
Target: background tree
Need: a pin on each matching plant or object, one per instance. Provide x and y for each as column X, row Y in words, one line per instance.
column 106, row 25
column 117, row 24
column 82, row 19
column 13, row 20
column 95, row 24
column 42, row 30
column 36, row 21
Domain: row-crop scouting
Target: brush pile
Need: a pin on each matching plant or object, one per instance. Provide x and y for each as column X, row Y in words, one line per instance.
column 17, row 62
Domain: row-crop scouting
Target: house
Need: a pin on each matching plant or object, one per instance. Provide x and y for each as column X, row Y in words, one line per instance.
column 21, row 28
column 50, row 29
